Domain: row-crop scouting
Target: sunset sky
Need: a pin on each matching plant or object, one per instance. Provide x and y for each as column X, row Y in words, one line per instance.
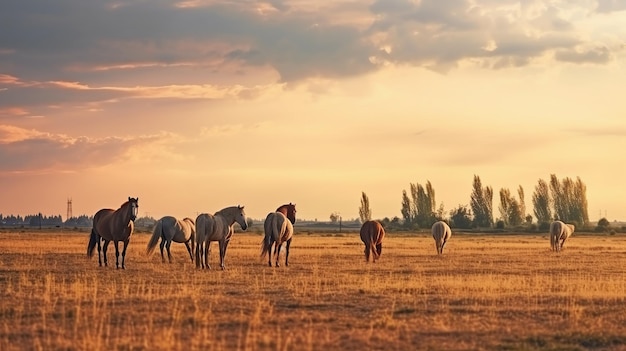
column 193, row 106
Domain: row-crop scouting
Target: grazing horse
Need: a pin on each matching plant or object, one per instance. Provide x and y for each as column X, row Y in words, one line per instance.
column 559, row 232
column 372, row 234
column 441, row 234
column 278, row 228
column 170, row 229
column 217, row 227
column 113, row 225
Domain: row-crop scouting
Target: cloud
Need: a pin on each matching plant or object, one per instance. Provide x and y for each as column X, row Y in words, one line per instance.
column 88, row 51
column 28, row 150
column 598, row 55
column 607, row 6
column 615, row 131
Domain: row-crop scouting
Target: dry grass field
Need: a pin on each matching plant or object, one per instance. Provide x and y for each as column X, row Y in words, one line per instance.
column 488, row 292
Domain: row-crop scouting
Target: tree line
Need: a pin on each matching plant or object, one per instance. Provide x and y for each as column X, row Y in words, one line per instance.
column 52, row 221
column 554, row 199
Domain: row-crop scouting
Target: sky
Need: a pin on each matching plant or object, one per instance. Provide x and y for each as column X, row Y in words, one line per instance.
column 197, row 105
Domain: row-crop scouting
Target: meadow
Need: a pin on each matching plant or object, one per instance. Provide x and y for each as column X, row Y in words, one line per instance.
column 487, row 292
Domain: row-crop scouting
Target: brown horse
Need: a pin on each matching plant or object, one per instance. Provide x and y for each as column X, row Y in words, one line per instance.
column 372, row 234
column 113, row 225
column 278, row 230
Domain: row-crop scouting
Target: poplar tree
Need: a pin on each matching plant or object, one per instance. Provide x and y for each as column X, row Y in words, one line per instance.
column 481, row 202
column 365, row 213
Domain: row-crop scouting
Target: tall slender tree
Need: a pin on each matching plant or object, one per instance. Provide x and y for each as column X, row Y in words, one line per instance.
column 542, row 202
column 406, row 211
column 481, row 202
column 365, row 213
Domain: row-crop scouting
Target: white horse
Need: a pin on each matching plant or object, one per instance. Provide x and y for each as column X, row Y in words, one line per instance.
column 441, row 234
column 170, row 229
column 559, row 232
column 217, row 227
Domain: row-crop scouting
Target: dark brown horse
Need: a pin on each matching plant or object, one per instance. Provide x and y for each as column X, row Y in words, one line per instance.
column 278, row 228
column 372, row 234
column 113, row 225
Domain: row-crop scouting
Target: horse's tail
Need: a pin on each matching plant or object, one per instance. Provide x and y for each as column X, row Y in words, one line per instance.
column 374, row 238
column 93, row 240
column 269, row 229
column 154, row 239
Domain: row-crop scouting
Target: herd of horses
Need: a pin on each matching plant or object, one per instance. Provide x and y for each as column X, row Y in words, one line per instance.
column 117, row 226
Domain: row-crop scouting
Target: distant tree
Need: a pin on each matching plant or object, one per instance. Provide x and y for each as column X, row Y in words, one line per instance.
column 461, row 217
column 407, row 213
column 334, row 217
column 542, row 202
column 481, row 202
column 510, row 208
column 603, row 225
column 365, row 213
column 423, row 204
column 439, row 216
column 522, row 201
column 529, row 219
column 570, row 200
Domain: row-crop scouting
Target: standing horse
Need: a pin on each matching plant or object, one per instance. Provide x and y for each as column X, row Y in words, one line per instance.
column 559, row 232
column 441, row 234
column 170, row 229
column 217, row 227
column 278, row 228
column 113, row 225
column 372, row 234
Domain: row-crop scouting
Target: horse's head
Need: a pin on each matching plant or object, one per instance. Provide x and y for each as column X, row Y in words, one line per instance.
column 240, row 218
column 291, row 213
column 133, row 204
column 289, row 210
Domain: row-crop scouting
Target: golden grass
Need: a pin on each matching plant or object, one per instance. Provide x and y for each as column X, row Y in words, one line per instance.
column 487, row 292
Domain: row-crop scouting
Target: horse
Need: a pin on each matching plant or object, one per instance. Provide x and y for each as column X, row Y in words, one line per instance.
column 113, row 225
column 278, row 228
column 217, row 227
column 559, row 232
column 372, row 234
column 441, row 233
column 170, row 229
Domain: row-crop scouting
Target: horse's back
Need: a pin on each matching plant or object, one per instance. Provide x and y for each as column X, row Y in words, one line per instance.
column 102, row 222
column 372, row 231
column 204, row 226
column 277, row 225
column 441, row 230
column 559, row 229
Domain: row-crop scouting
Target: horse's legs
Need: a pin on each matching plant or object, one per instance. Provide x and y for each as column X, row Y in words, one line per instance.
column 367, row 252
column 169, row 254
column 117, row 254
column 287, row 252
column 124, row 252
column 379, row 249
column 99, row 248
column 269, row 251
column 161, row 246
column 189, row 250
column 277, row 249
column 105, row 248
column 199, row 251
column 222, row 245
column 207, row 252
